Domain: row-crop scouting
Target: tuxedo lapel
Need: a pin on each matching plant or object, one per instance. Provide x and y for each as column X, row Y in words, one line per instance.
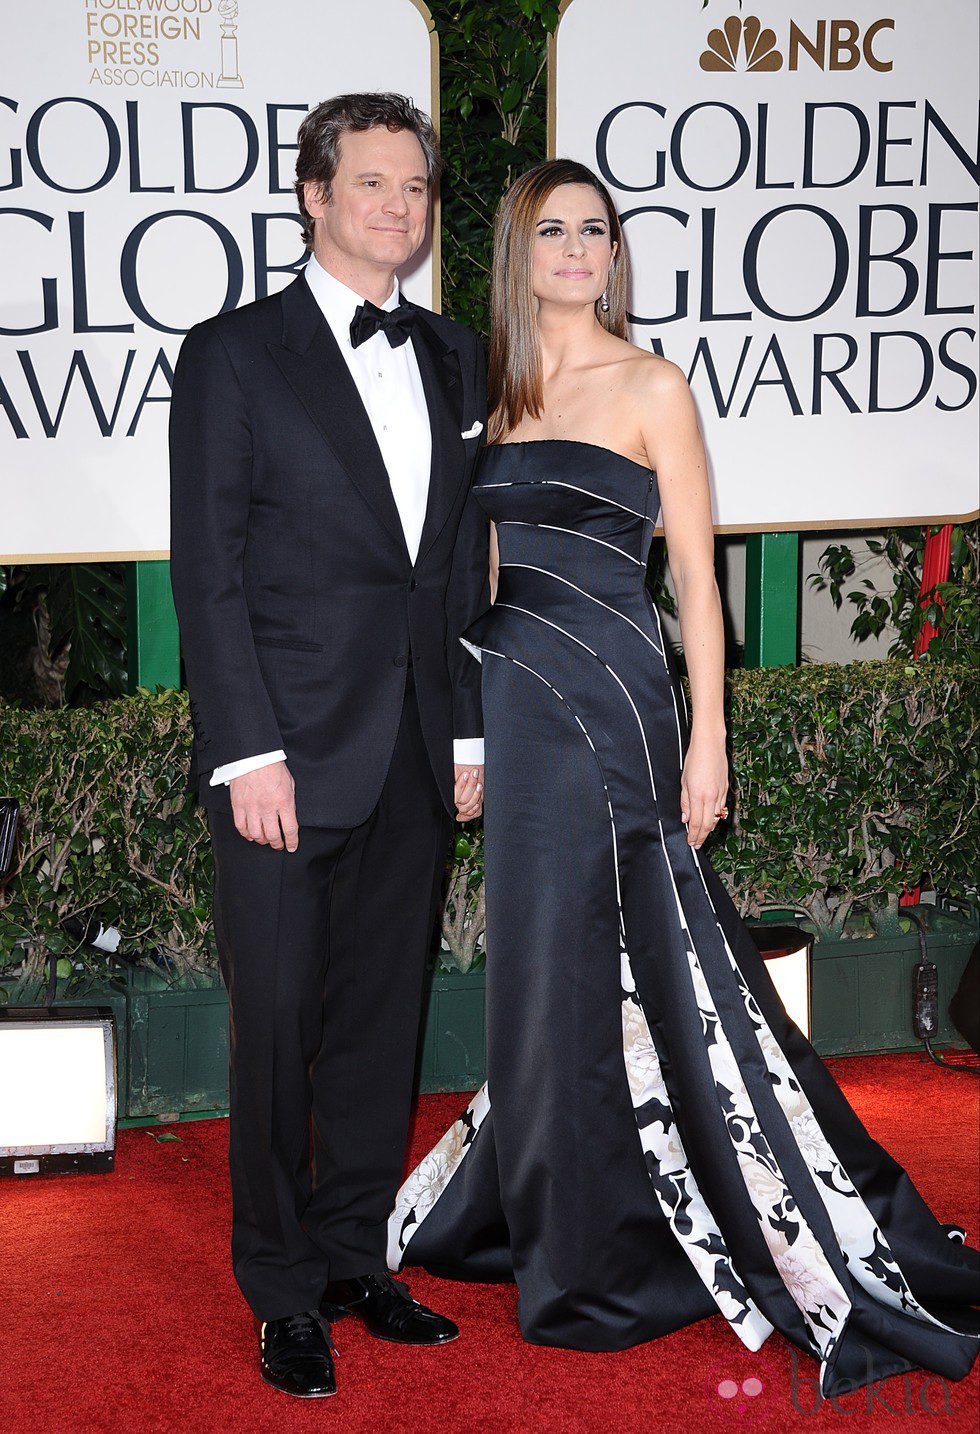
column 314, row 367
column 443, row 385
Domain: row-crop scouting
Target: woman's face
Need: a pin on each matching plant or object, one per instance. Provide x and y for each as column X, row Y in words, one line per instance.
column 572, row 248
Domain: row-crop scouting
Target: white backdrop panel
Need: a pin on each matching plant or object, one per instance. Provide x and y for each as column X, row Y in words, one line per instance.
column 706, row 123
column 149, row 154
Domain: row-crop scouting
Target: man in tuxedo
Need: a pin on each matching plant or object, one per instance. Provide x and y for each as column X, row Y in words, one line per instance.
column 326, row 555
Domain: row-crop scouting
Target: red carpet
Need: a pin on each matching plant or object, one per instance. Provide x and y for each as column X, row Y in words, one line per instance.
column 121, row 1313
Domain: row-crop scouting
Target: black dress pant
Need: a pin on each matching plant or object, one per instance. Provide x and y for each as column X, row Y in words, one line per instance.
column 323, row 951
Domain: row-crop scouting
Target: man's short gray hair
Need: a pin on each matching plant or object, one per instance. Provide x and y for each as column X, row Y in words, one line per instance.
column 322, row 129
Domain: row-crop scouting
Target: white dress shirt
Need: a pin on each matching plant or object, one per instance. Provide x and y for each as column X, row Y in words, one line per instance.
column 390, row 385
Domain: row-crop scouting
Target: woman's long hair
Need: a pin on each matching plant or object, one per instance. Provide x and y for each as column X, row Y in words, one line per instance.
column 514, row 372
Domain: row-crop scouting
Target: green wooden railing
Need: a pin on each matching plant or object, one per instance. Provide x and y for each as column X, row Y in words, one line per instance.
column 772, row 600
column 153, row 640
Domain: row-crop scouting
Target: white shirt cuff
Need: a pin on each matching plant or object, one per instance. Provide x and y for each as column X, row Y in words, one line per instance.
column 247, row 764
column 468, row 751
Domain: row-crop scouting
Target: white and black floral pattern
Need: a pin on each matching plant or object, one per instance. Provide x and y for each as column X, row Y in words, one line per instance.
column 428, row 1180
column 864, row 1247
column 674, row 1184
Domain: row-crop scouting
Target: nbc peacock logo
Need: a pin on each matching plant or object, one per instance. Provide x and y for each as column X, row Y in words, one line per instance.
column 742, row 45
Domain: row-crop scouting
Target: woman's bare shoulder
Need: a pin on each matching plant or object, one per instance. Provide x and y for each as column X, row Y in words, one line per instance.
column 655, row 376
column 647, row 374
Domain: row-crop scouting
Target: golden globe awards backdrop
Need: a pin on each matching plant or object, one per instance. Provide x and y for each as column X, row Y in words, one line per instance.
column 148, row 152
column 799, row 194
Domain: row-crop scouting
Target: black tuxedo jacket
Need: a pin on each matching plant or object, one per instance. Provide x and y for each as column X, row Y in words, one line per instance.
column 297, row 600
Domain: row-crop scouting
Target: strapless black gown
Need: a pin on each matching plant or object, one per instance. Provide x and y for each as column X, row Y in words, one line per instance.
column 663, row 1142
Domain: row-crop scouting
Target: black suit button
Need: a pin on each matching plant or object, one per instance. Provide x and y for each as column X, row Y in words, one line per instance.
column 400, row 660
column 412, row 586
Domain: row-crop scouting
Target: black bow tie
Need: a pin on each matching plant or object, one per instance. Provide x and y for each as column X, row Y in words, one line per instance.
column 396, row 324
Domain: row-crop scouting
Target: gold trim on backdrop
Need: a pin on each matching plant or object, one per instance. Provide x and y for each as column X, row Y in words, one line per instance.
column 150, row 555
column 435, row 114
column 853, row 525
column 553, row 80
column 850, row 525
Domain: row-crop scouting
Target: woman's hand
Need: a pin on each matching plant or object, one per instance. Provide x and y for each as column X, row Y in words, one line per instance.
column 469, row 791
column 704, row 786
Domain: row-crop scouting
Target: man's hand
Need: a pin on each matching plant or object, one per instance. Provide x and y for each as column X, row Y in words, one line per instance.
column 469, row 792
column 263, row 801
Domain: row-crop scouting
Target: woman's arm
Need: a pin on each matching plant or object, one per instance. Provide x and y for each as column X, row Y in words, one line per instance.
column 674, row 447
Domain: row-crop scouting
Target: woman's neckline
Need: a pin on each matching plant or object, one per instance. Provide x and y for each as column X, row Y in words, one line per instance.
column 578, row 442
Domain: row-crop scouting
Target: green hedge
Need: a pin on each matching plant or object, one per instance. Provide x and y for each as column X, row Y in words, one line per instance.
column 847, row 780
column 107, row 826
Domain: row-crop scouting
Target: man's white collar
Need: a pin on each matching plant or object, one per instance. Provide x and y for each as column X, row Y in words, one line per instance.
column 337, row 301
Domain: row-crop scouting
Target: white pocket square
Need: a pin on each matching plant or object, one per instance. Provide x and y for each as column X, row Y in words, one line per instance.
column 472, row 432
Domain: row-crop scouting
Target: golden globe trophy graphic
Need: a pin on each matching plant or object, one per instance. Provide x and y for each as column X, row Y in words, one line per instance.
column 229, row 78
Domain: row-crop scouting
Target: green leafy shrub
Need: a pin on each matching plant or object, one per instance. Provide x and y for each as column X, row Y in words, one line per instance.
column 846, row 780
column 462, row 946
column 107, row 828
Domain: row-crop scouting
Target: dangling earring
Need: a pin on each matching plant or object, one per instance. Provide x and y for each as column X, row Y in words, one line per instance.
column 604, row 301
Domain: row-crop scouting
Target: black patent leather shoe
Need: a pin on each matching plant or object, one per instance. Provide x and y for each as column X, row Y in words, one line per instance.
column 387, row 1309
column 296, row 1356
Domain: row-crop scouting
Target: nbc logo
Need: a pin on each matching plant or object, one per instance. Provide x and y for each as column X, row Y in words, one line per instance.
column 758, row 45
column 750, row 46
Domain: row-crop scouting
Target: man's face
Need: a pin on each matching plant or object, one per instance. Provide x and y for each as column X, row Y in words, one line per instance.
column 379, row 199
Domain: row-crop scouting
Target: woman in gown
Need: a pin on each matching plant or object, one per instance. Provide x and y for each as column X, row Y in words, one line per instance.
column 657, row 1141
